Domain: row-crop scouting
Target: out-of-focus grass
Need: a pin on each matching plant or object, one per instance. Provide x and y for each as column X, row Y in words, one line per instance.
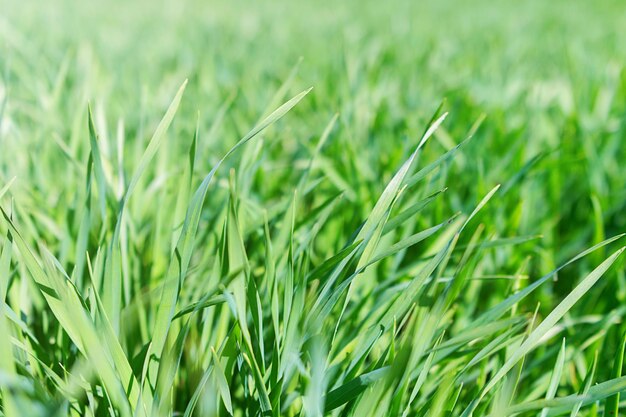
column 353, row 253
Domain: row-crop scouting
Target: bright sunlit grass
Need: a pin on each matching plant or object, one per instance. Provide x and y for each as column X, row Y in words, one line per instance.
column 307, row 209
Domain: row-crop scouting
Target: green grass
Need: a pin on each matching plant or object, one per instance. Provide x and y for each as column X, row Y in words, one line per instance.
column 434, row 229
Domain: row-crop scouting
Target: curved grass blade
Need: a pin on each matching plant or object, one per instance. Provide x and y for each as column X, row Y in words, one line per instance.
column 535, row 336
column 186, row 243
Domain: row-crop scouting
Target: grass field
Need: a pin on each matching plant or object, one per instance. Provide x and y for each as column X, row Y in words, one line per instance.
column 434, row 229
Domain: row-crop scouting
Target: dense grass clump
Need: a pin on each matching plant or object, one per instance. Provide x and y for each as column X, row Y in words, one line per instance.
column 434, row 229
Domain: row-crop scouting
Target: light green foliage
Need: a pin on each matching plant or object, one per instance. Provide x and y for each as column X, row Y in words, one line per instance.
column 304, row 209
